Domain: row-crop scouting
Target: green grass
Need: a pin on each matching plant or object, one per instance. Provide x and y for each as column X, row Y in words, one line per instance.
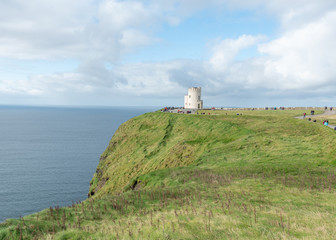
column 259, row 175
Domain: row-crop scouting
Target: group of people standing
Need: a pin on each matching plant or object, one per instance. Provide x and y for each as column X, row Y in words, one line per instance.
column 326, row 122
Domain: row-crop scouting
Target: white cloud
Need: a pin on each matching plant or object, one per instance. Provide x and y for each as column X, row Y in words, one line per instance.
column 39, row 29
column 224, row 52
column 124, row 14
column 304, row 57
column 300, row 60
column 77, row 29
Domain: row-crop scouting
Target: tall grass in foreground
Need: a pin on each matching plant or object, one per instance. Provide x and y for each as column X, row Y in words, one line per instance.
column 206, row 205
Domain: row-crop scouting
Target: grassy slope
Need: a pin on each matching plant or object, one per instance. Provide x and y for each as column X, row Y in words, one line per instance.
column 262, row 174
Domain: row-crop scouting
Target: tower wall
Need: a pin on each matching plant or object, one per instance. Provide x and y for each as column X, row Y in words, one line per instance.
column 193, row 99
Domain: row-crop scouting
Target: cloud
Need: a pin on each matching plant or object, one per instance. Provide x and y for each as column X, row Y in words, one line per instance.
column 304, row 57
column 298, row 61
column 105, row 29
column 301, row 61
column 76, row 29
column 38, row 29
column 224, row 52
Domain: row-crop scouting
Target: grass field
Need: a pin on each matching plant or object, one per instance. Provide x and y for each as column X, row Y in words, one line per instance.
column 255, row 175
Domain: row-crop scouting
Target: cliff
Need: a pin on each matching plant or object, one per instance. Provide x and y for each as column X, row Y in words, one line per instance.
column 231, row 174
column 156, row 141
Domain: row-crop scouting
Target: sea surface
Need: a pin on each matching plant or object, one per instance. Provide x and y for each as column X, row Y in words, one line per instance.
column 48, row 155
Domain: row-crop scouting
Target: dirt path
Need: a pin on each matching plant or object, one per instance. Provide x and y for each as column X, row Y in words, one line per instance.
column 326, row 113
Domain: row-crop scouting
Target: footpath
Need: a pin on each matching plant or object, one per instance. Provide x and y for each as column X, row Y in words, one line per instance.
column 326, row 113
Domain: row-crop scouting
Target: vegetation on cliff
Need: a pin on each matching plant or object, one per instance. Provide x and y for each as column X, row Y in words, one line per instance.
column 262, row 174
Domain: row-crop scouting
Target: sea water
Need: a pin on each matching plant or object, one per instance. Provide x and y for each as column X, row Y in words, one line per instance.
column 48, row 155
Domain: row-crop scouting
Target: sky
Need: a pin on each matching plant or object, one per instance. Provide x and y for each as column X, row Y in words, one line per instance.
column 243, row 53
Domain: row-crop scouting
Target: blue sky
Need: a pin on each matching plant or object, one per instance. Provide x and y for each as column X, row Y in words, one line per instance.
column 191, row 38
column 113, row 52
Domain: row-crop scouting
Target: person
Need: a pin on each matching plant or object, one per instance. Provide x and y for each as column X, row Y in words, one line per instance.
column 304, row 115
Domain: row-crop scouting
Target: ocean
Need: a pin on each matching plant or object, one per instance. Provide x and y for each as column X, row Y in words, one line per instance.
column 48, row 155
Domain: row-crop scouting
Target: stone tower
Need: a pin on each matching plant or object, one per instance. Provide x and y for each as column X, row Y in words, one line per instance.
column 193, row 99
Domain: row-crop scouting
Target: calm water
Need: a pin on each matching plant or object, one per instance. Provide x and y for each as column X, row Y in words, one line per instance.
column 49, row 155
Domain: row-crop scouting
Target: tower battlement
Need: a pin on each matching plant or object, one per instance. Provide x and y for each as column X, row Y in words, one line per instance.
column 195, row 89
